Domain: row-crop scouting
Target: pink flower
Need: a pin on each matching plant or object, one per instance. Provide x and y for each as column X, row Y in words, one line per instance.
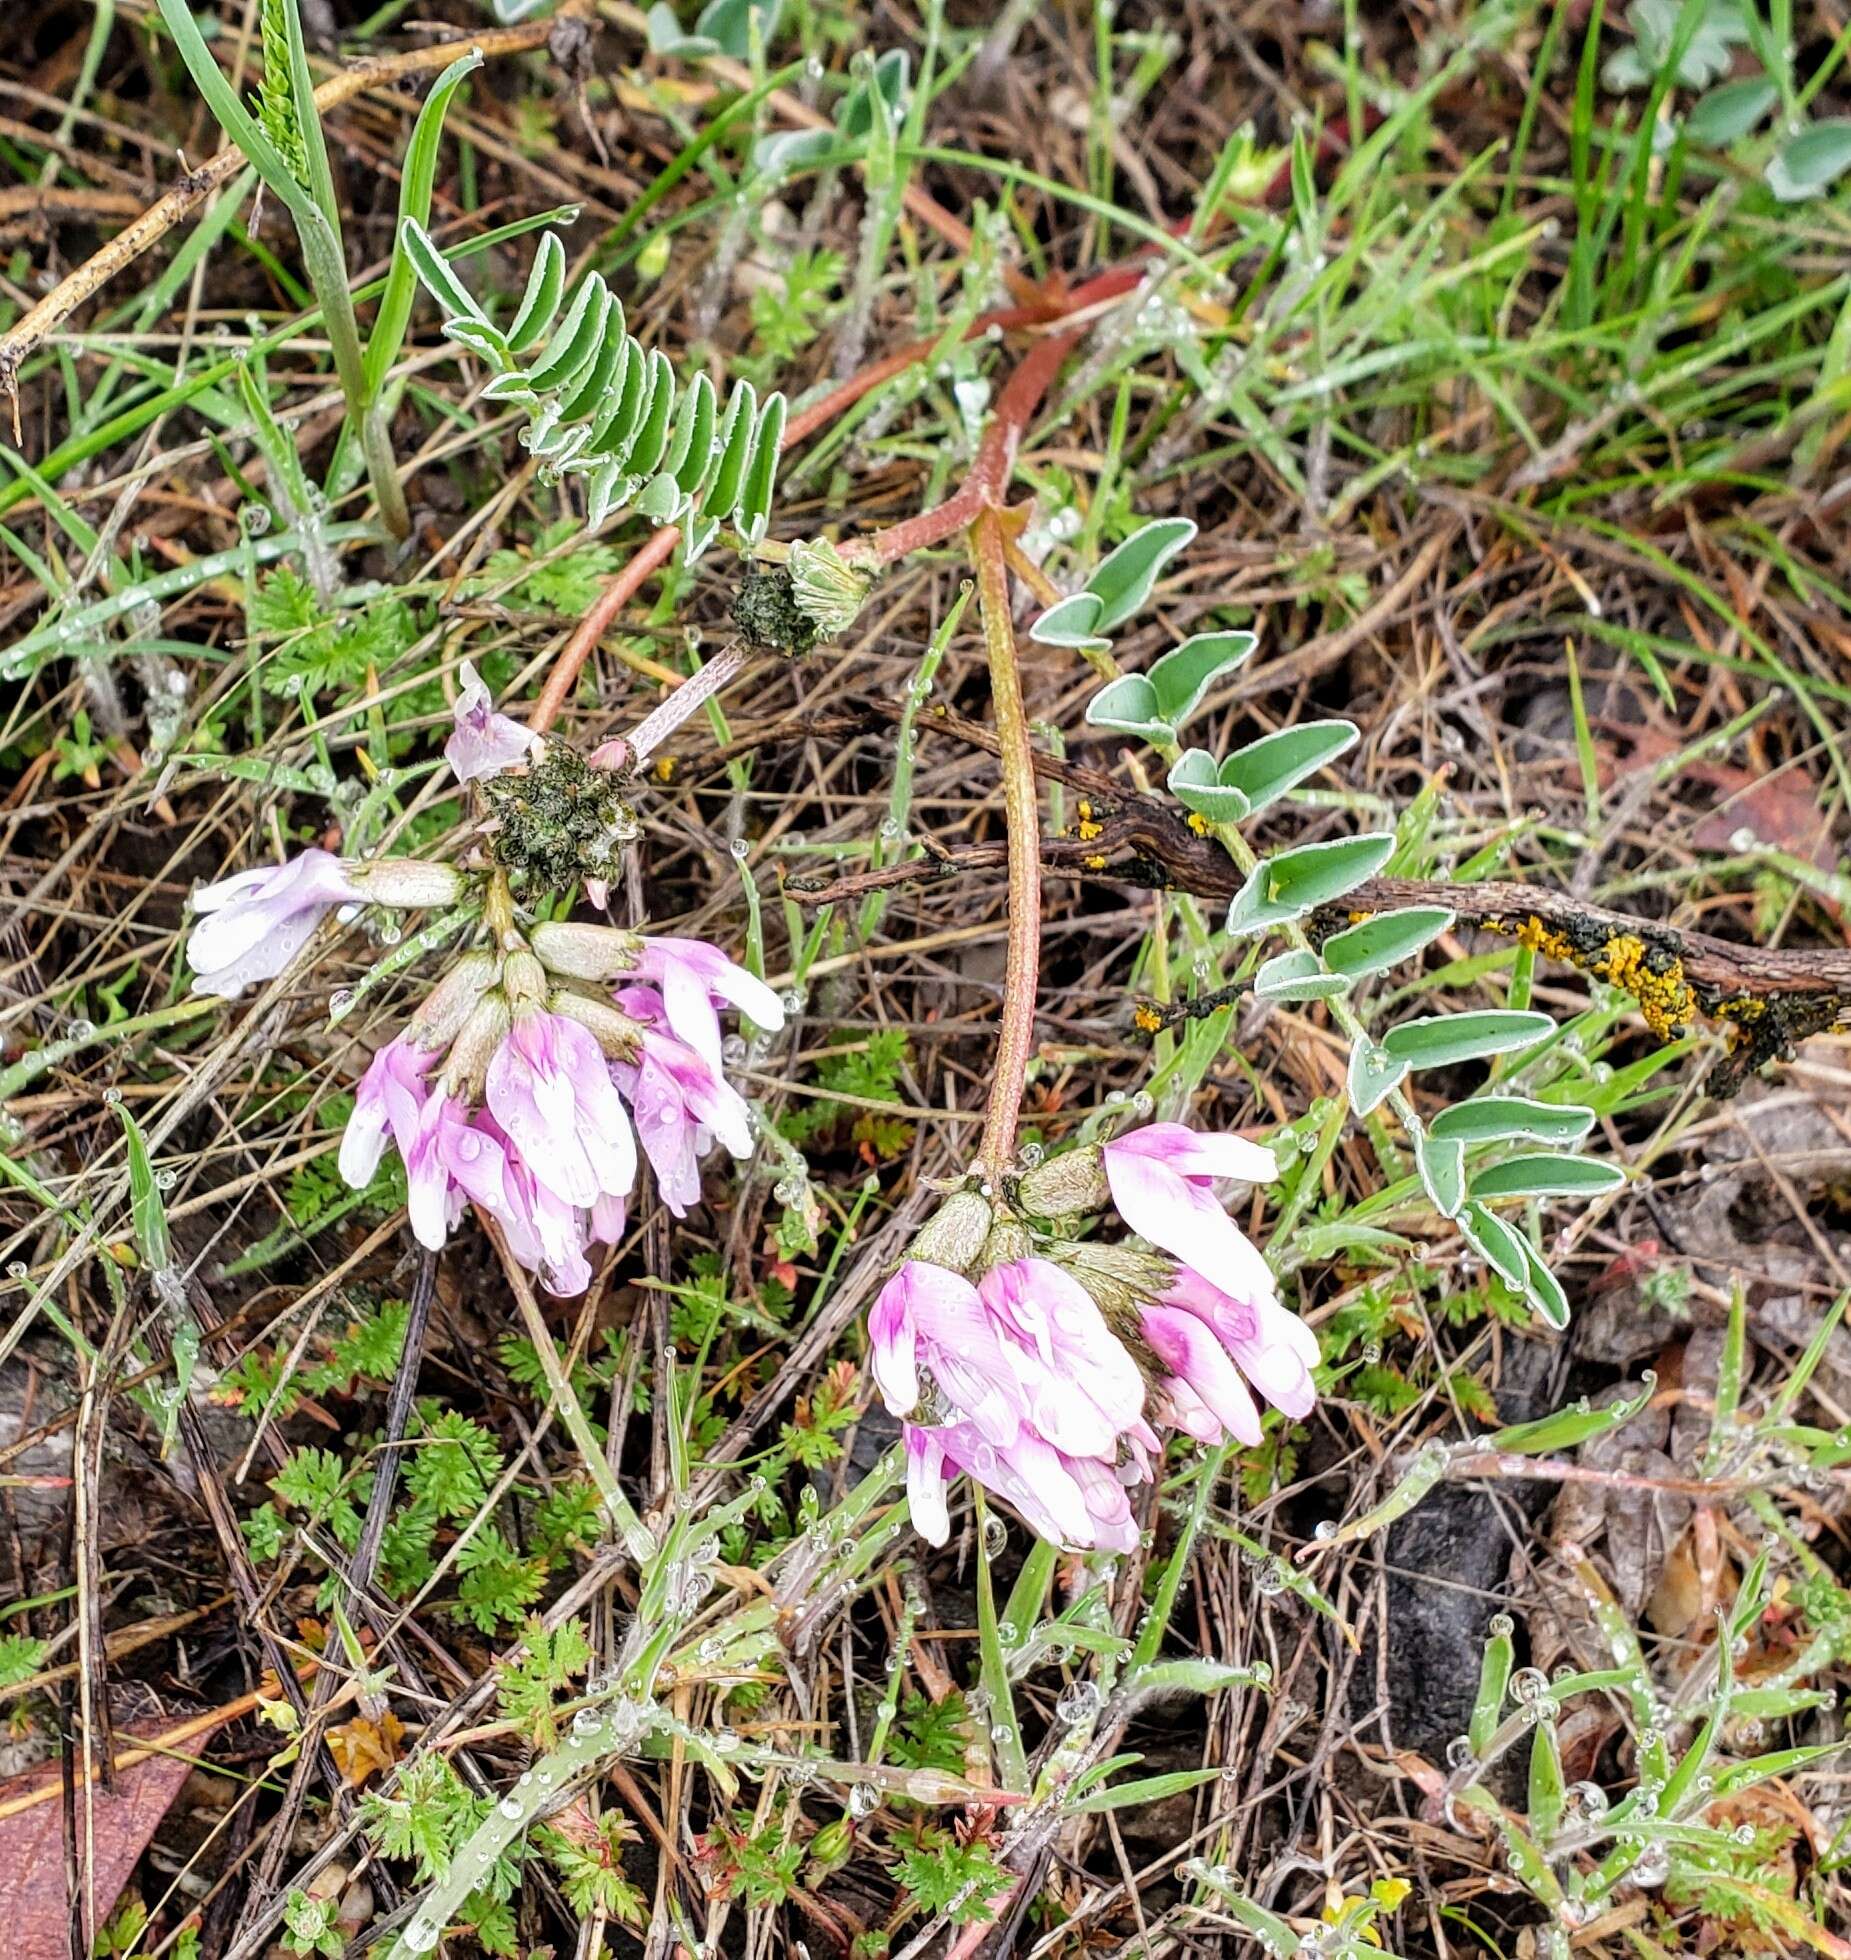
column 1084, row 1390
column 387, row 1104
column 550, row 1089
column 1270, row 1346
column 695, row 979
column 527, row 1117
column 1162, row 1181
column 545, row 1234
column 1037, row 1397
column 484, row 743
column 1068, row 1501
column 456, row 1154
column 434, row 1198
column 252, row 925
column 929, row 1316
column 1033, row 1390
column 681, row 1102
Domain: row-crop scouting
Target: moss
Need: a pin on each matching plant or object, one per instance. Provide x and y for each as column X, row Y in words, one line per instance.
column 560, row 821
column 766, row 611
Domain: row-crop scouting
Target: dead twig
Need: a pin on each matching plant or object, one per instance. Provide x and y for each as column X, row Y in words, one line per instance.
column 1769, row 998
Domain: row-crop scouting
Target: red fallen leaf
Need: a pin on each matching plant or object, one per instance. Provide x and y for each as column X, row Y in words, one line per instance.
column 32, row 1901
column 1632, row 1264
column 1782, row 808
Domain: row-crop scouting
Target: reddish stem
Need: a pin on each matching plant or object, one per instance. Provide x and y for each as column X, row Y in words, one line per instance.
column 586, row 635
column 1095, row 292
column 988, row 479
column 988, row 482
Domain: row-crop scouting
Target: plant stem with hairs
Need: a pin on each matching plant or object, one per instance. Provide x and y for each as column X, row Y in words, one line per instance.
column 1016, row 1037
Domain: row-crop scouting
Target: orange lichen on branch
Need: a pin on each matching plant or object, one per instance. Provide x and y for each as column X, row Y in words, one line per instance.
column 1652, row 974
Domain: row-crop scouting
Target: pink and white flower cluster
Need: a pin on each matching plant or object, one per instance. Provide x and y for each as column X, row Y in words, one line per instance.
column 1020, row 1379
column 527, row 1078
column 518, row 1088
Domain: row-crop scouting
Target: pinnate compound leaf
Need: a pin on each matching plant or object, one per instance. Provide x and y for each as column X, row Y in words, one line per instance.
column 892, row 77
column 1726, row 114
column 1810, row 161
column 546, row 284
column 1441, row 1161
column 1286, row 887
column 1185, row 674
column 1373, row 1074
column 1543, row 1288
column 457, row 301
column 1195, row 782
column 721, row 27
column 1493, row 1119
column 1500, row 1246
column 753, row 511
column 1128, row 706
column 1384, row 941
column 1071, row 624
column 1156, row 704
column 1297, row 975
column 1441, row 1040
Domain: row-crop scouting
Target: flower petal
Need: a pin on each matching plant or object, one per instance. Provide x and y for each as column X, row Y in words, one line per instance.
column 1189, row 1349
column 1163, row 1206
column 925, row 1485
column 484, row 743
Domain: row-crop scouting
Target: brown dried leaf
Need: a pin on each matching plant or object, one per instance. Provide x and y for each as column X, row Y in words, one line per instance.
column 362, row 1748
column 32, row 1900
column 1676, row 1603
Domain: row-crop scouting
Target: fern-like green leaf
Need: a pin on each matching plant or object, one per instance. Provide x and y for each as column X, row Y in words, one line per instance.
column 601, row 406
